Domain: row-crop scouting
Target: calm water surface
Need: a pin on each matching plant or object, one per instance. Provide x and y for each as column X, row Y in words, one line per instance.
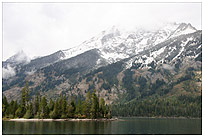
column 121, row 126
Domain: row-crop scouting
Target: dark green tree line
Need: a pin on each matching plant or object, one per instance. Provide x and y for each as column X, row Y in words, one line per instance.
column 181, row 106
column 40, row 107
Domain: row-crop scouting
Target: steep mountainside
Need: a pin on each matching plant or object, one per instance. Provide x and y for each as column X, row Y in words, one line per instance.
column 125, row 68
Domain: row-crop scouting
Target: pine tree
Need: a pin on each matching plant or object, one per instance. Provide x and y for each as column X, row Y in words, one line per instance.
column 15, row 107
column 4, row 105
column 102, row 107
column 94, row 106
column 19, row 112
column 84, row 109
column 61, row 103
column 29, row 112
column 109, row 115
column 51, row 105
column 44, row 111
column 8, row 110
column 31, row 108
column 64, row 108
column 36, row 105
column 25, row 98
column 55, row 113
column 71, row 108
column 78, row 108
column 88, row 103
column 12, row 107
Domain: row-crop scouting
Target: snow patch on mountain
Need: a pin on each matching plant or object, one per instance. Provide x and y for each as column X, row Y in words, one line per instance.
column 30, row 72
column 158, row 52
column 113, row 57
column 115, row 44
column 163, row 33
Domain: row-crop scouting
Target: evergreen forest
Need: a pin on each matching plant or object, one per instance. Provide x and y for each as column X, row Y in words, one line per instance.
column 39, row 107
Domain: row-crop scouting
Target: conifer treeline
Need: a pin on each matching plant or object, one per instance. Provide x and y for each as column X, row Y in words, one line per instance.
column 92, row 107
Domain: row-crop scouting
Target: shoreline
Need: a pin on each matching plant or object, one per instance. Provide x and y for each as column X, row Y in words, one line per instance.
column 50, row 120
column 99, row 119
column 180, row 117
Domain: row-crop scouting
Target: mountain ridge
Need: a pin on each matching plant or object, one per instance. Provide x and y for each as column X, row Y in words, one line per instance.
column 129, row 74
column 116, row 49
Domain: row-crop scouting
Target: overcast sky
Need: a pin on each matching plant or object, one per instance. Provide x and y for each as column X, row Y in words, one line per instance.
column 43, row 28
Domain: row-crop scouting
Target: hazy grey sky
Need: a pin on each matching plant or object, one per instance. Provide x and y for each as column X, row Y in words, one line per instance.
column 43, row 28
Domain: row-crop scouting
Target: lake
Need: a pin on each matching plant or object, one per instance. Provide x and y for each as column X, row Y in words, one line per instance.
column 121, row 126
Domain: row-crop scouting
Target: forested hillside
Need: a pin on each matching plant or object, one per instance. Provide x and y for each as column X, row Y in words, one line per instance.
column 139, row 73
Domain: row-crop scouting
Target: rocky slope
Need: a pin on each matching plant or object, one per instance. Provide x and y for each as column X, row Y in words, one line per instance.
column 120, row 66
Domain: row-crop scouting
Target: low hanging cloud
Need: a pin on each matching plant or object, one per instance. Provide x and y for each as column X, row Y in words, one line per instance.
column 21, row 57
column 8, row 72
column 57, row 26
column 168, row 67
column 30, row 72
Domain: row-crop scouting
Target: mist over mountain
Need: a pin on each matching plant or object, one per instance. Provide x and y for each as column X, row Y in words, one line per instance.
column 124, row 67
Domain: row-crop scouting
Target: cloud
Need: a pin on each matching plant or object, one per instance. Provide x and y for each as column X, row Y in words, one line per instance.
column 20, row 57
column 43, row 28
column 8, row 72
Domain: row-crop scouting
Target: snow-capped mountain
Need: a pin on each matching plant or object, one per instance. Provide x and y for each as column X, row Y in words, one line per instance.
column 171, row 51
column 183, row 28
column 109, row 60
column 115, row 44
column 112, row 45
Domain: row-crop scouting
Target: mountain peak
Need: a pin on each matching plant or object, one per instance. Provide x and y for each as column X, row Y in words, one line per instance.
column 114, row 30
column 183, row 28
column 118, row 40
column 19, row 57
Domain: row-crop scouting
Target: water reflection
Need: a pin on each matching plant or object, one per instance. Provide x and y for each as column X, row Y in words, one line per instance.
column 124, row 126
